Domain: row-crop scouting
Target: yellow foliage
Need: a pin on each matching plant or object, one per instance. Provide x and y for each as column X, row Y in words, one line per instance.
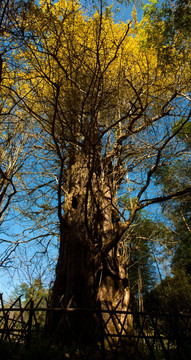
column 88, row 58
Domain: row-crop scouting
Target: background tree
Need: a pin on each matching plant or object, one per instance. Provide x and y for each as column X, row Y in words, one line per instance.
column 35, row 291
column 15, row 125
column 178, row 212
column 144, row 237
column 140, row 249
column 173, row 294
column 171, row 20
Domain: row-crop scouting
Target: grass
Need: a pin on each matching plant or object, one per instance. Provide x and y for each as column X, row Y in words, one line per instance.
column 45, row 351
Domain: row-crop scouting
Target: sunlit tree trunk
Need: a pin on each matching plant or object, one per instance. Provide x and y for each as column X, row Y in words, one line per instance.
column 85, row 278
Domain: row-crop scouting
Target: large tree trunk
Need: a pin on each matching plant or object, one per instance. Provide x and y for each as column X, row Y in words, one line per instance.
column 74, row 285
column 84, row 277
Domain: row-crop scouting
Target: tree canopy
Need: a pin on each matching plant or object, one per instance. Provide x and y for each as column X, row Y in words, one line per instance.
column 91, row 84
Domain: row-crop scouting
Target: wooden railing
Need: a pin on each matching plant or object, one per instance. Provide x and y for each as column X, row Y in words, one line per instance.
column 120, row 334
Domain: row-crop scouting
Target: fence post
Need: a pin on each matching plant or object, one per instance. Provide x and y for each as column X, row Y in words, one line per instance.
column 31, row 314
column 102, row 332
column 177, row 333
column 5, row 332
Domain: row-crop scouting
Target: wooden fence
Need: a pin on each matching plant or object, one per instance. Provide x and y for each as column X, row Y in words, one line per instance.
column 121, row 335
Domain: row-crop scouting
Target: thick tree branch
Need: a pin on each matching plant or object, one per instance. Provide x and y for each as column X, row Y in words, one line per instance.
column 159, row 199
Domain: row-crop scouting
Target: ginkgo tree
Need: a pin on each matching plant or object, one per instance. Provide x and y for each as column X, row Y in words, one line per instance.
column 109, row 114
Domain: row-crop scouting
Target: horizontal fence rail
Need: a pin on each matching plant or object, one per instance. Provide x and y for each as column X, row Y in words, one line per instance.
column 119, row 334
